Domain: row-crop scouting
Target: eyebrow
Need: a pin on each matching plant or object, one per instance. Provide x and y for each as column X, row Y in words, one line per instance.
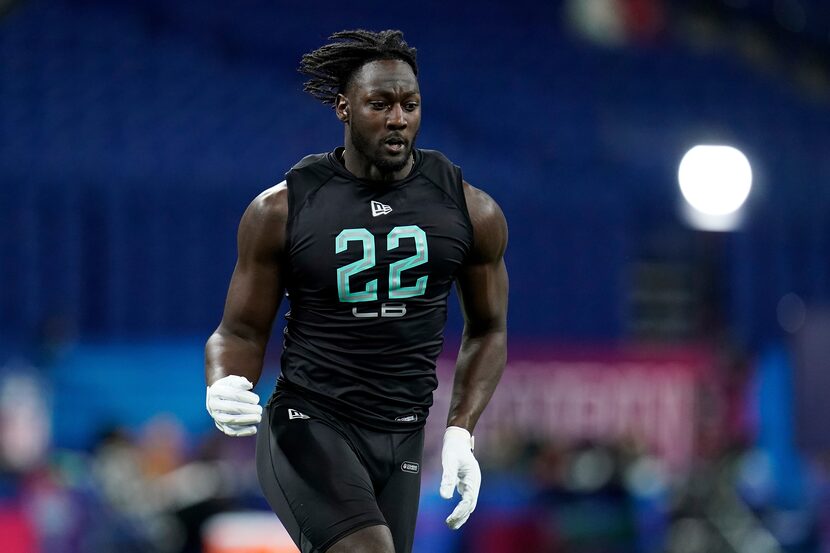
column 389, row 91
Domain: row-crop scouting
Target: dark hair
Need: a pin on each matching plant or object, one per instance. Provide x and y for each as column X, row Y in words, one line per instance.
column 331, row 66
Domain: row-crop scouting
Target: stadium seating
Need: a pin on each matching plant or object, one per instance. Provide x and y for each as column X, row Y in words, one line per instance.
column 133, row 134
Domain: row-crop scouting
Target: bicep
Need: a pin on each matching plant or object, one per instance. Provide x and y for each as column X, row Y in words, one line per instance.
column 482, row 281
column 256, row 286
column 253, row 299
column 482, row 290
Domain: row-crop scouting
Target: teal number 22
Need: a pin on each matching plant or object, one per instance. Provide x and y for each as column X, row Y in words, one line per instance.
column 393, row 241
column 370, row 293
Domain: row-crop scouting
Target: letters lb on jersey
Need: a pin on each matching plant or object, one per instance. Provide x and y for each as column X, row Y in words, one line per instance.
column 369, row 268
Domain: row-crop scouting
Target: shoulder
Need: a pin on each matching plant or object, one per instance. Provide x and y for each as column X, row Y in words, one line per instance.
column 314, row 163
column 437, row 167
column 435, row 161
column 265, row 218
column 489, row 225
column 309, row 160
column 270, row 204
column 434, row 155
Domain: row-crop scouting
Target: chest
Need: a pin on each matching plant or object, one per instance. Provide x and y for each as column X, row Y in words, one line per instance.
column 354, row 244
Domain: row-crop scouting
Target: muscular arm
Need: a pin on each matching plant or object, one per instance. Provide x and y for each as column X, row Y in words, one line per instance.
column 238, row 345
column 482, row 285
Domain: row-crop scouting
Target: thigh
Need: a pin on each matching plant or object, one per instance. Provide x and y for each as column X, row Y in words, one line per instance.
column 313, row 479
column 398, row 500
column 374, row 539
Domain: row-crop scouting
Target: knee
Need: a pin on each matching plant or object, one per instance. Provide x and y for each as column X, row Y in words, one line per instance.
column 374, row 539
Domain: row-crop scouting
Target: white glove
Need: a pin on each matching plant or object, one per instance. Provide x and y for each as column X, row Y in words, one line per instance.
column 460, row 470
column 235, row 409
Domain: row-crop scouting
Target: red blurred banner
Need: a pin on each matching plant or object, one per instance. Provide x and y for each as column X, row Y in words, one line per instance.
column 603, row 395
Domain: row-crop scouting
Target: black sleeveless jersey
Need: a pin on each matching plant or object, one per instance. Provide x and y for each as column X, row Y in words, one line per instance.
column 369, row 268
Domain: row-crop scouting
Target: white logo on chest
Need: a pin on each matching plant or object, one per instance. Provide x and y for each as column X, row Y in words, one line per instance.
column 379, row 208
column 294, row 414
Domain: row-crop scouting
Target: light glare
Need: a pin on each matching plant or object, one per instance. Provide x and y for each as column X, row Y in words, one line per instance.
column 715, row 180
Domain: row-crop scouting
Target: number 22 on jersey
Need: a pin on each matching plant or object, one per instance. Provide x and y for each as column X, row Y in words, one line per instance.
column 393, row 241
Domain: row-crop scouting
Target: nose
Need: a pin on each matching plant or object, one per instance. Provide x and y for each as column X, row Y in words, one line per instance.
column 396, row 118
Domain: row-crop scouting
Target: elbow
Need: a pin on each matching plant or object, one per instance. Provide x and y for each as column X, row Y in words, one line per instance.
column 238, row 333
column 495, row 331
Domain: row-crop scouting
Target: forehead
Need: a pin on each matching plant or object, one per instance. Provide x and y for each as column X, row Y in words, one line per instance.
column 385, row 75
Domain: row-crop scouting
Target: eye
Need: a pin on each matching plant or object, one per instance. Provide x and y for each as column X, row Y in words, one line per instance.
column 411, row 106
column 378, row 105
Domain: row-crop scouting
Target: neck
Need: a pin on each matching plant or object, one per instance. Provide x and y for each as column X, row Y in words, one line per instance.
column 363, row 168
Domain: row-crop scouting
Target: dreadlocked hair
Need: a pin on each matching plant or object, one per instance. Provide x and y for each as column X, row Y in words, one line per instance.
column 330, row 67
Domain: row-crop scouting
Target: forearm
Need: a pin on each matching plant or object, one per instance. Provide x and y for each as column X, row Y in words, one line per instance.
column 228, row 353
column 480, row 364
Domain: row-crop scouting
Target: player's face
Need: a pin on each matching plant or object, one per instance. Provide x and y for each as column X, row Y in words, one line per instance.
column 385, row 113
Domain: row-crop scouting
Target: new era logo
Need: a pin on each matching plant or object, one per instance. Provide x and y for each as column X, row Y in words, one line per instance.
column 380, row 209
column 294, row 414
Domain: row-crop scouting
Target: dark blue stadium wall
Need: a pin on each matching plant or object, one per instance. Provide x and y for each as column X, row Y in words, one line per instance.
column 133, row 135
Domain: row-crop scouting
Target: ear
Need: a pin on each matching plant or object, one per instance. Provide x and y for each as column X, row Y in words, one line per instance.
column 342, row 108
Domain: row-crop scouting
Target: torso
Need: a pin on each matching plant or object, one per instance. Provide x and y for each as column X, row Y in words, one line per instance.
column 368, row 269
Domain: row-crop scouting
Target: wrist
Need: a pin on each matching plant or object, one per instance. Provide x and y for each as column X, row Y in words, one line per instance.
column 459, row 434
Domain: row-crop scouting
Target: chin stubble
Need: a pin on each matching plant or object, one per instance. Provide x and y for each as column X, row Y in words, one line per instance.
column 384, row 165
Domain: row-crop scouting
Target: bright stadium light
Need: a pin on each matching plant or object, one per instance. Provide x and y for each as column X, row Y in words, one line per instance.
column 715, row 182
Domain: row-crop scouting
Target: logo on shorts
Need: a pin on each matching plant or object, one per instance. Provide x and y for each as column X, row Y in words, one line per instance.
column 409, row 466
column 407, row 418
column 294, row 414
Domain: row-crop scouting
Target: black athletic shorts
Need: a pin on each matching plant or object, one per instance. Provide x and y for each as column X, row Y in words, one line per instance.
column 326, row 478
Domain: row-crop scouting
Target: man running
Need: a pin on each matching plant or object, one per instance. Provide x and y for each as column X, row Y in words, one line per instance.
column 366, row 241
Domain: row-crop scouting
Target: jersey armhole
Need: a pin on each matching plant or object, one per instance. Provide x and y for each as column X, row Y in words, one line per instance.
column 289, row 222
column 460, row 201
column 294, row 209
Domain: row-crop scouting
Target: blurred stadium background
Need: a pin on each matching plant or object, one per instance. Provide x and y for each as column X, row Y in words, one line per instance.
column 666, row 384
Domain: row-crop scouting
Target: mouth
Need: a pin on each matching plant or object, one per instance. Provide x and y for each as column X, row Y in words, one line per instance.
column 395, row 145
